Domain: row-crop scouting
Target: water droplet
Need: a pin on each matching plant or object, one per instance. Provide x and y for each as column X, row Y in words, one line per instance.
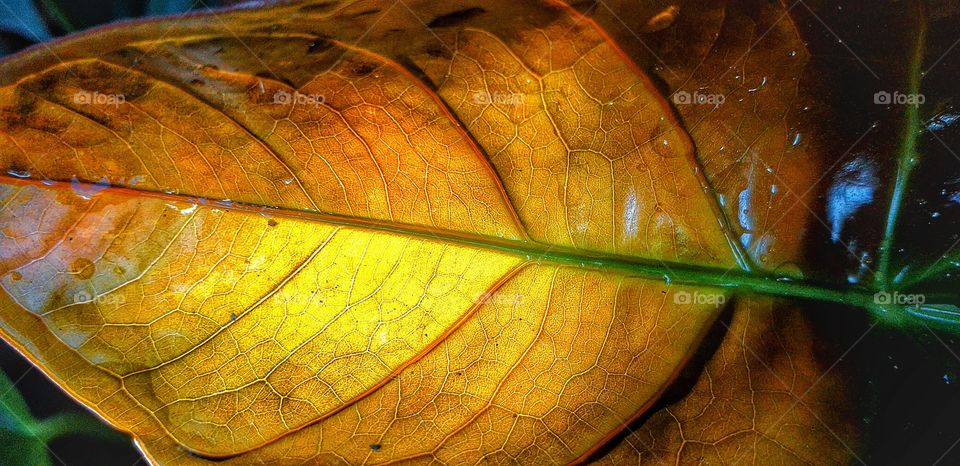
column 744, row 211
column 853, row 187
column 900, row 275
column 288, row 181
column 796, row 139
column 792, row 53
column 789, row 270
column 18, row 173
column 662, row 20
column 48, row 182
column 87, row 190
column 763, row 82
column 667, row 280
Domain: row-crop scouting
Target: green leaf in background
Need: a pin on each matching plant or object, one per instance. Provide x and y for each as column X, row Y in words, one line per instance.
column 25, row 22
column 22, row 18
column 170, row 7
column 24, row 440
column 21, row 444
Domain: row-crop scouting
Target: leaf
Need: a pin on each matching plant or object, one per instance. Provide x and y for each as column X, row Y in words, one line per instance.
column 25, row 439
column 340, row 276
column 365, row 232
column 17, row 427
column 789, row 396
column 27, row 21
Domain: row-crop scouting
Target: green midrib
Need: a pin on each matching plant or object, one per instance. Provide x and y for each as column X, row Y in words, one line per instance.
column 907, row 157
column 731, row 279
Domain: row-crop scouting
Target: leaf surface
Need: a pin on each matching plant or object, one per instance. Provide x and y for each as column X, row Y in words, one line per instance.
column 289, row 246
column 372, row 232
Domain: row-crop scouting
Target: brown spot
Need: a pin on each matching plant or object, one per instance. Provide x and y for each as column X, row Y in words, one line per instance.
column 83, row 268
column 439, row 52
column 271, row 222
column 319, row 45
column 118, row 270
column 16, row 276
column 362, row 69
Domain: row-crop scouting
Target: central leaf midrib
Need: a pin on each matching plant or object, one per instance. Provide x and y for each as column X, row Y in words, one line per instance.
column 730, row 279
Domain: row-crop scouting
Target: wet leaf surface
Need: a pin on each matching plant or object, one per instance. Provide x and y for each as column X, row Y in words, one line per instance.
column 449, row 231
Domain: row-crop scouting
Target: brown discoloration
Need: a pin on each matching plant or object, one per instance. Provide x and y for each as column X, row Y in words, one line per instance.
column 83, row 268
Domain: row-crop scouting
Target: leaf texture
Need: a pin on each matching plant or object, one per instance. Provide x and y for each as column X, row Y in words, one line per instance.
column 354, row 232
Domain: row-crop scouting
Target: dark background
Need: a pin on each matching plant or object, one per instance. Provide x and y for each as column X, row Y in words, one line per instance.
column 910, row 379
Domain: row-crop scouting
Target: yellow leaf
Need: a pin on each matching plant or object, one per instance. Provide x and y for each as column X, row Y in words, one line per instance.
column 353, row 232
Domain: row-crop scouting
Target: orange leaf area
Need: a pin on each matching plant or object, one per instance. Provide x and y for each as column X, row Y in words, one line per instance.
column 363, row 232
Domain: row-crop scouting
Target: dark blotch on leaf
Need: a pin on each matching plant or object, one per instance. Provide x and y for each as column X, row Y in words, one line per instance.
column 455, row 18
column 375, row 446
column 319, row 45
column 369, row 12
column 415, row 70
column 362, row 69
column 321, row 7
column 439, row 52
